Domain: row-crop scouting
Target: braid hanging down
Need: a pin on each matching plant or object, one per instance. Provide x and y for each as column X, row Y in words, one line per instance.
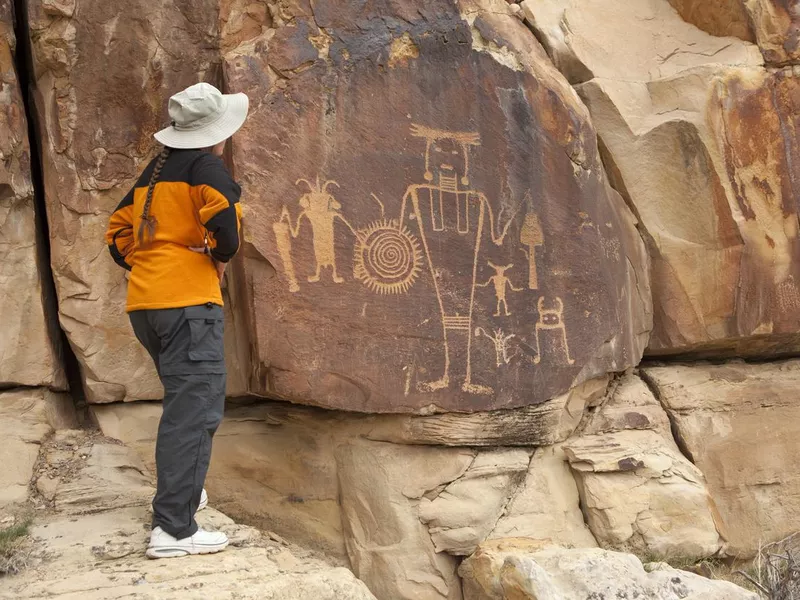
column 147, row 228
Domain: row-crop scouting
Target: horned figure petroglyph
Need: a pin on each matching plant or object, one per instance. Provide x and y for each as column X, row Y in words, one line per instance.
column 500, row 282
column 551, row 319
column 321, row 209
column 500, row 342
column 446, row 208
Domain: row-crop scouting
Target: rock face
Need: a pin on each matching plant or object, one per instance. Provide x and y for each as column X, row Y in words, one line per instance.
column 640, row 494
column 637, row 491
column 546, row 509
column 518, row 570
column 453, row 248
column 463, row 514
column 390, row 549
column 739, row 423
column 722, row 18
column 773, row 24
column 777, row 28
column 97, row 125
column 699, row 137
column 26, row 354
column 460, row 256
column 537, row 425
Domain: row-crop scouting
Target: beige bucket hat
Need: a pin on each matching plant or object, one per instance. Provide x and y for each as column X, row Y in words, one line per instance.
column 202, row 116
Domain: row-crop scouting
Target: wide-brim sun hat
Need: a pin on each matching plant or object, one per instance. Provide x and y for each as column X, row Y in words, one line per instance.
column 202, row 117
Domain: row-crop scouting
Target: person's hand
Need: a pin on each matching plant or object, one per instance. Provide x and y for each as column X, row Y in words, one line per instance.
column 219, row 266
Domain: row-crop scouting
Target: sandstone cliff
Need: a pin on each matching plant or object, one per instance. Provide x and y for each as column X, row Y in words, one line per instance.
column 488, row 248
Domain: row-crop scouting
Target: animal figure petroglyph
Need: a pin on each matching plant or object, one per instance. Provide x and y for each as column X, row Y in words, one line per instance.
column 551, row 319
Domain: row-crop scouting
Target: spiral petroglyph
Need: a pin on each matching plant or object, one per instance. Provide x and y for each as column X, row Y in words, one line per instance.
column 387, row 258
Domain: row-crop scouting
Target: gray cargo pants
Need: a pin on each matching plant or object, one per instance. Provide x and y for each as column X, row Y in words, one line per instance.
column 186, row 346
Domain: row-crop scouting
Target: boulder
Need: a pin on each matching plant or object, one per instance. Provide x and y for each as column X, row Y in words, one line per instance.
column 517, row 569
column 739, row 423
column 102, row 76
column 773, row 24
column 640, row 494
column 453, row 246
column 390, row 549
column 776, row 24
column 637, row 490
column 583, row 39
column 108, row 476
column 26, row 352
column 27, row 418
column 463, row 514
column 630, row 404
column 700, row 139
column 723, row 18
column 546, row 509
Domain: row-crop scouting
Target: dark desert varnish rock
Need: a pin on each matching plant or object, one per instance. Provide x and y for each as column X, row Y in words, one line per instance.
column 428, row 226
column 26, row 354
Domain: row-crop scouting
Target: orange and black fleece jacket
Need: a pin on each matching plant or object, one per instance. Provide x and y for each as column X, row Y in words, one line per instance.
column 194, row 196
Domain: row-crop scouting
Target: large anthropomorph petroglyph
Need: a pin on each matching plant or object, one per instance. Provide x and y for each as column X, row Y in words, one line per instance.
column 445, row 204
column 432, row 231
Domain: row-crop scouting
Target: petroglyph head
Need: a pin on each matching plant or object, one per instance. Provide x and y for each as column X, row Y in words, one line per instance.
column 498, row 269
column 318, row 200
column 447, row 152
column 550, row 316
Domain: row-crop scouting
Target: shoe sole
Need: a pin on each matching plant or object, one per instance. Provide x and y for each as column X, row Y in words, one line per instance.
column 176, row 552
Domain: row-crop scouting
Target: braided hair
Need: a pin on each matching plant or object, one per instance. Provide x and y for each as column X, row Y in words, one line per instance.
column 147, row 228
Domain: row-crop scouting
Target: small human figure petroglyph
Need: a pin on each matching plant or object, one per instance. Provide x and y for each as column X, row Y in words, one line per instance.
column 500, row 282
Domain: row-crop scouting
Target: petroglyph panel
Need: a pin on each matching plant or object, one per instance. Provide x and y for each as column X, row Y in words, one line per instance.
column 430, row 221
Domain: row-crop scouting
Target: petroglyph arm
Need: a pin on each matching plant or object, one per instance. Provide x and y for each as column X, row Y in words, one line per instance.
column 285, row 216
column 346, row 222
column 497, row 239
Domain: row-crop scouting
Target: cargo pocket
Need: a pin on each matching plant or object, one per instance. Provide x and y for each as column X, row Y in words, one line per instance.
column 206, row 326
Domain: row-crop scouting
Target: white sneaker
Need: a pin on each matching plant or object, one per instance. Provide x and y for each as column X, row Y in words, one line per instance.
column 163, row 545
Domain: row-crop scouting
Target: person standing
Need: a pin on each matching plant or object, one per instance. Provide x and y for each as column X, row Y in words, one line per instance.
column 175, row 231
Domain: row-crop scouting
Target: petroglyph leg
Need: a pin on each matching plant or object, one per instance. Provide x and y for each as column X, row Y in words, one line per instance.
column 284, row 243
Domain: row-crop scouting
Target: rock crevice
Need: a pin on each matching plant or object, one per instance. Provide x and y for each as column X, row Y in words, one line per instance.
column 62, row 351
